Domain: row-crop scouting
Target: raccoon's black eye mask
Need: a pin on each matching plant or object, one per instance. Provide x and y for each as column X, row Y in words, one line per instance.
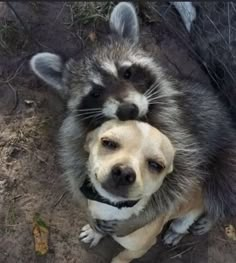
column 90, row 193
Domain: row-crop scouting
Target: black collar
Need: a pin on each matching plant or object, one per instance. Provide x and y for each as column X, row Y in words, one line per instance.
column 90, row 193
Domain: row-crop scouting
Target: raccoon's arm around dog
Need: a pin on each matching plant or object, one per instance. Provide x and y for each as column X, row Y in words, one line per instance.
column 125, row 227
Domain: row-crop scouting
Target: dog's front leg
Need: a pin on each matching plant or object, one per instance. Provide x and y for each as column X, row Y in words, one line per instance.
column 127, row 256
column 140, row 241
column 202, row 225
column 90, row 236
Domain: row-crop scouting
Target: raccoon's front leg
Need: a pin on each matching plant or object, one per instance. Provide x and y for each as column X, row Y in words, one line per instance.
column 89, row 235
column 121, row 227
column 202, row 225
column 127, row 226
column 106, row 227
column 180, row 227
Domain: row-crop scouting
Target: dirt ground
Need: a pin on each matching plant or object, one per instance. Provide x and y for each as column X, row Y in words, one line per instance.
column 30, row 115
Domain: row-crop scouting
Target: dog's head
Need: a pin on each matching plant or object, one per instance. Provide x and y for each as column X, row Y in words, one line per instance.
column 116, row 79
column 128, row 160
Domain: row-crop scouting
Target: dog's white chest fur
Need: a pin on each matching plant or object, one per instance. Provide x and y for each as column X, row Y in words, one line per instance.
column 106, row 212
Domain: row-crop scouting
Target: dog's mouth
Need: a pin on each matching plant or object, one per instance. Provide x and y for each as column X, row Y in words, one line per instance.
column 91, row 193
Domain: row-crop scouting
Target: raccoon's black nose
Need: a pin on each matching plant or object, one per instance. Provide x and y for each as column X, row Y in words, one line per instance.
column 123, row 175
column 127, row 111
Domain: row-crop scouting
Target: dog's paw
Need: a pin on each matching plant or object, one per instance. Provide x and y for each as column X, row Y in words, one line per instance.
column 88, row 235
column 201, row 226
column 172, row 238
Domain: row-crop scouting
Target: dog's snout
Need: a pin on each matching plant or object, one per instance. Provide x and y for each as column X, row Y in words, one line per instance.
column 127, row 111
column 123, row 175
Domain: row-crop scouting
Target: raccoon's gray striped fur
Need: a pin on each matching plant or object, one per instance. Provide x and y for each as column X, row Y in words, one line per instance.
column 212, row 30
column 119, row 79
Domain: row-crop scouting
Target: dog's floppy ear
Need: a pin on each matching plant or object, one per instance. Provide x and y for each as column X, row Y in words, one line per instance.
column 49, row 67
column 124, row 21
column 171, row 168
column 90, row 139
column 173, row 151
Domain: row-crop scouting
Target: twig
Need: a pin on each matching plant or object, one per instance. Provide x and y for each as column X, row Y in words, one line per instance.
column 16, row 197
column 167, row 10
column 217, row 29
column 10, row 78
column 16, row 98
column 229, row 24
column 59, row 13
column 232, row 4
column 181, row 253
column 183, row 245
column 60, row 199
column 27, row 31
column 21, row 22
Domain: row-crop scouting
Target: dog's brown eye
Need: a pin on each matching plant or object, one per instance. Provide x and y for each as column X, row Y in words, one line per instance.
column 109, row 144
column 127, row 73
column 155, row 166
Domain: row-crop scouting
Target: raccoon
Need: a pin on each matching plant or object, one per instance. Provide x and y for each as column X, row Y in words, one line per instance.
column 211, row 28
column 119, row 79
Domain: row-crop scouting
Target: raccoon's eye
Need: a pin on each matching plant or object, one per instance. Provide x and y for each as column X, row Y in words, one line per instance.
column 96, row 91
column 155, row 166
column 109, row 144
column 127, row 73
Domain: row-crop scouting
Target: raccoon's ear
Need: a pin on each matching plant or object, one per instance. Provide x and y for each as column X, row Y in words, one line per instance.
column 49, row 67
column 124, row 21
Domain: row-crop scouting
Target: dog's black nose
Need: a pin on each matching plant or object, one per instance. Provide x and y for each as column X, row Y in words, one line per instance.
column 127, row 111
column 123, row 175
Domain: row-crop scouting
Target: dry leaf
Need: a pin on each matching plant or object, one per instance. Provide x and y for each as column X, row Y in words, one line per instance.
column 230, row 232
column 40, row 232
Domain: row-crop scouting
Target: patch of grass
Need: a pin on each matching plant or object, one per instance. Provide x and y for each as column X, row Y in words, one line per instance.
column 89, row 12
column 34, row 127
column 39, row 221
column 26, row 137
column 35, row 5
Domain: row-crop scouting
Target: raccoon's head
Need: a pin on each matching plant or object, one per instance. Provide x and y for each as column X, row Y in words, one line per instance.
column 117, row 79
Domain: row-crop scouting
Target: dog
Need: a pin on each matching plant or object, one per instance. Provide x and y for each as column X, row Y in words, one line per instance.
column 127, row 163
column 118, row 79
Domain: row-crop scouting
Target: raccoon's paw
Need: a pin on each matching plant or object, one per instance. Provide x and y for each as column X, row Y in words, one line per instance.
column 201, row 226
column 88, row 235
column 106, row 226
column 172, row 238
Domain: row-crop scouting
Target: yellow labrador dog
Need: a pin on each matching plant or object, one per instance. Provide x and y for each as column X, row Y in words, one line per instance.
column 128, row 162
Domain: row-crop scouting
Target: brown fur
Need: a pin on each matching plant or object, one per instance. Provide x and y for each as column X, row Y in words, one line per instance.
column 135, row 150
column 137, row 141
column 139, row 242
